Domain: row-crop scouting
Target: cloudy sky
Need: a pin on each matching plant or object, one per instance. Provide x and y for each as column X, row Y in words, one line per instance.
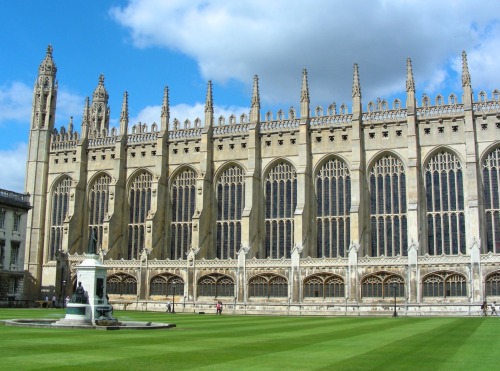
column 141, row 46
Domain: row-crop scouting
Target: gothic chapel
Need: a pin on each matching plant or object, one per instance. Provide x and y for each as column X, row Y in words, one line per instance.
column 332, row 211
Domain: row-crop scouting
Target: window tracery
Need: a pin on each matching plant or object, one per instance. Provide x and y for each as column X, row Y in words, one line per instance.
column 60, row 201
column 493, row 284
column 98, row 206
column 445, row 205
column 216, row 285
column 444, row 284
column 382, row 285
column 230, row 194
column 324, row 285
column 183, row 207
column 139, row 206
column 491, row 181
column 388, row 219
column 281, row 201
column 121, row 284
column 166, row 285
column 268, row 286
column 333, row 204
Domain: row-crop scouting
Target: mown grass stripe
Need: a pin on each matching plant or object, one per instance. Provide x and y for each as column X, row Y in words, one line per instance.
column 251, row 342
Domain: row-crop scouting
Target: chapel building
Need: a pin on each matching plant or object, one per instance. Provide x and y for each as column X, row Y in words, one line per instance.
column 315, row 210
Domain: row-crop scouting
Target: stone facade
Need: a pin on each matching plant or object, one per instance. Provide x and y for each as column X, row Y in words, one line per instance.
column 317, row 211
column 13, row 213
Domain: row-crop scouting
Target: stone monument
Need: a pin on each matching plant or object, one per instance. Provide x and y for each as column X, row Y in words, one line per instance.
column 89, row 303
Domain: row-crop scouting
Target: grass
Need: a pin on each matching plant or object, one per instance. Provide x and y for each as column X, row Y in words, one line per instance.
column 209, row 342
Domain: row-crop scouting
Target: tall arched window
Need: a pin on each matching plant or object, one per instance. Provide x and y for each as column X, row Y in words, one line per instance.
column 445, row 205
column 60, row 198
column 183, row 207
column 388, row 208
column 140, row 204
column 230, row 203
column 491, row 181
column 98, row 206
column 333, row 204
column 281, row 200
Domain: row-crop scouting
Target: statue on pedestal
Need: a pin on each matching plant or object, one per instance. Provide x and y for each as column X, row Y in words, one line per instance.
column 92, row 248
column 79, row 296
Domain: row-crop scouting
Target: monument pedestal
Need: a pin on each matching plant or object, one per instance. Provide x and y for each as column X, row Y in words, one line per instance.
column 90, row 307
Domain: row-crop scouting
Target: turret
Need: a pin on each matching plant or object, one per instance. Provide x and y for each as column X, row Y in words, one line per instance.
column 165, row 110
column 466, row 82
column 356, row 92
column 255, row 108
column 124, row 115
column 410, row 85
column 99, row 110
column 209, row 106
column 304, row 96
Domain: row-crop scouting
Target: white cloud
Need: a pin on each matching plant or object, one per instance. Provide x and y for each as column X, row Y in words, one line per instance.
column 15, row 102
column 276, row 39
column 12, row 176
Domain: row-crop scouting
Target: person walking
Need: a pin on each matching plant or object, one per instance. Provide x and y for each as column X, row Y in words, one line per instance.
column 484, row 308
column 217, row 307
column 493, row 309
column 169, row 307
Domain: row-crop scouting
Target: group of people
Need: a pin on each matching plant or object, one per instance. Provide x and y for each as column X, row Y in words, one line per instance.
column 219, row 308
column 484, row 308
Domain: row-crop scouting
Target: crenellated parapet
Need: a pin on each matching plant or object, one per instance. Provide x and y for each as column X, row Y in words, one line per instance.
column 142, row 135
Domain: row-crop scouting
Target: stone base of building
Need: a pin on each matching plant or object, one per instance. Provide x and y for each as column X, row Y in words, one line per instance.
column 348, row 309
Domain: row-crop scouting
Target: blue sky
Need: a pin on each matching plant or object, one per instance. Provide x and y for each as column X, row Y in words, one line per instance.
column 141, row 46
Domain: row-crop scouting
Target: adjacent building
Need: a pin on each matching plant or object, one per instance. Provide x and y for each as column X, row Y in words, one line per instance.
column 13, row 214
column 320, row 210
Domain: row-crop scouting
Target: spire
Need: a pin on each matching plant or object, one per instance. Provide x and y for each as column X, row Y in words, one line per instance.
column 410, row 82
column 48, row 67
column 465, row 71
column 165, row 108
column 304, row 96
column 255, row 110
column 356, row 88
column 86, row 118
column 124, row 115
column 209, row 106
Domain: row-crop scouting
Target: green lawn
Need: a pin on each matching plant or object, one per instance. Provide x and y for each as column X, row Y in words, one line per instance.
column 209, row 342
